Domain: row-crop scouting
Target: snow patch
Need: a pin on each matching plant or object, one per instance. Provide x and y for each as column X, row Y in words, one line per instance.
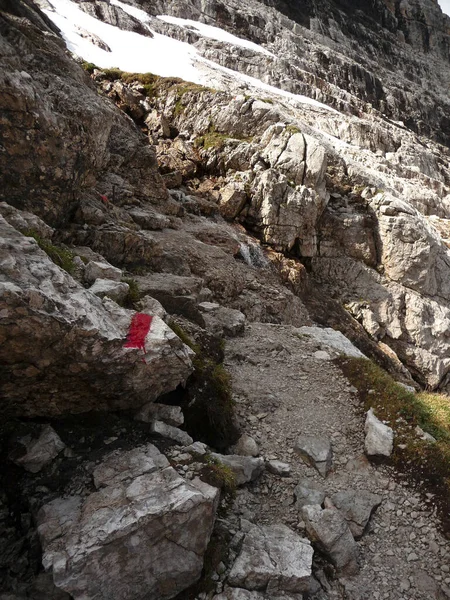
column 160, row 54
column 214, row 33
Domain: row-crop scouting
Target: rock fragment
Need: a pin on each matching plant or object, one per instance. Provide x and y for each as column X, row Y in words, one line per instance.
column 34, row 453
column 328, row 529
column 172, row 415
column 101, row 270
column 273, row 558
column 356, row 506
column 379, row 437
column 308, row 492
column 316, row 451
column 173, row 433
column 116, row 290
column 245, row 468
column 246, row 446
column 276, row 467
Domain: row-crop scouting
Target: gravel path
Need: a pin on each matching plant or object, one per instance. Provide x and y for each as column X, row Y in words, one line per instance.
column 283, row 390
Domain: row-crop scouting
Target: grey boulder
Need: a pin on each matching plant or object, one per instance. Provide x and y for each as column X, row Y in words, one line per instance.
column 173, row 433
column 273, row 558
column 328, row 529
column 356, row 506
column 142, row 535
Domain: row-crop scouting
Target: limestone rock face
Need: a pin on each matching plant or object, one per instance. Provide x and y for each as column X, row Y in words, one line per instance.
column 75, row 138
column 274, row 559
column 145, row 522
column 70, row 345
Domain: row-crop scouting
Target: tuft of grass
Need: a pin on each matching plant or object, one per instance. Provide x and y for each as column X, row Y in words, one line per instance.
column 113, row 74
column 404, row 411
column 63, row 257
column 88, row 67
column 220, row 476
column 292, row 129
column 134, row 294
column 184, row 337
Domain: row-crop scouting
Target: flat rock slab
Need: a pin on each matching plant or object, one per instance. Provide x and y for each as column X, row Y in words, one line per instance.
column 316, row 451
column 329, row 530
column 379, row 439
column 356, row 506
column 34, row 453
column 332, row 339
column 116, row 290
column 172, row 415
column 276, row 467
column 138, row 537
column 307, row 492
column 274, row 559
column 173, row 433
column 245, row 468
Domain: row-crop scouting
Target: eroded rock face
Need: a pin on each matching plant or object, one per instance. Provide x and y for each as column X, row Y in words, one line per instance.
column 69, row 344
column 74, row 135
column 145, row 522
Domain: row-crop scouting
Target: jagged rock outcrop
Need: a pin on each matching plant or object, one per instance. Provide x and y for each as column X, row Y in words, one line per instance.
column 62, row 348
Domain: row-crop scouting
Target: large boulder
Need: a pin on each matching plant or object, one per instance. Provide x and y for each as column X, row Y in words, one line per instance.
column 62, row 348
column 142, row 534
column 273, row 558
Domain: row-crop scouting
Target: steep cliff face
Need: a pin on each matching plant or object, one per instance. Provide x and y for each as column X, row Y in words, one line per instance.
column 393, row 55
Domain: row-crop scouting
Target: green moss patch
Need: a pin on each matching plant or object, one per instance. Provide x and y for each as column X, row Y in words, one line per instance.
column 63, row 257
column 425, row 462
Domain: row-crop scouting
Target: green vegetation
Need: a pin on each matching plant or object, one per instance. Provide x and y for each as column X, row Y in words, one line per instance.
column 214, row 139
column 404, row 411
column 134, row 295
column 220, row 476
column 180, row 332
column 63, row 257
column 292, row 129
column 88, row 66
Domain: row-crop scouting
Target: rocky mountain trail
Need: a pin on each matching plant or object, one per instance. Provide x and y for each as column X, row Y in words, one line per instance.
column 186, row 270
column 284, row 390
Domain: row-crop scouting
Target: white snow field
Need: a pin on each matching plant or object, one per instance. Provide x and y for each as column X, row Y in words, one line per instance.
column 159, row 54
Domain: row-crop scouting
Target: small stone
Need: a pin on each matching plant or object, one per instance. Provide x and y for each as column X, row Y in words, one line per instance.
column 173, row 433
column 379, row 437
column 34, row 453
column 246, row 446
column 101, row 270
column 316, row 451
column 172, row 415
column 277, row 467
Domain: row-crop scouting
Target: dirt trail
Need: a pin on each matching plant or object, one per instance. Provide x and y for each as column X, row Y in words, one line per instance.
column 282, row 390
